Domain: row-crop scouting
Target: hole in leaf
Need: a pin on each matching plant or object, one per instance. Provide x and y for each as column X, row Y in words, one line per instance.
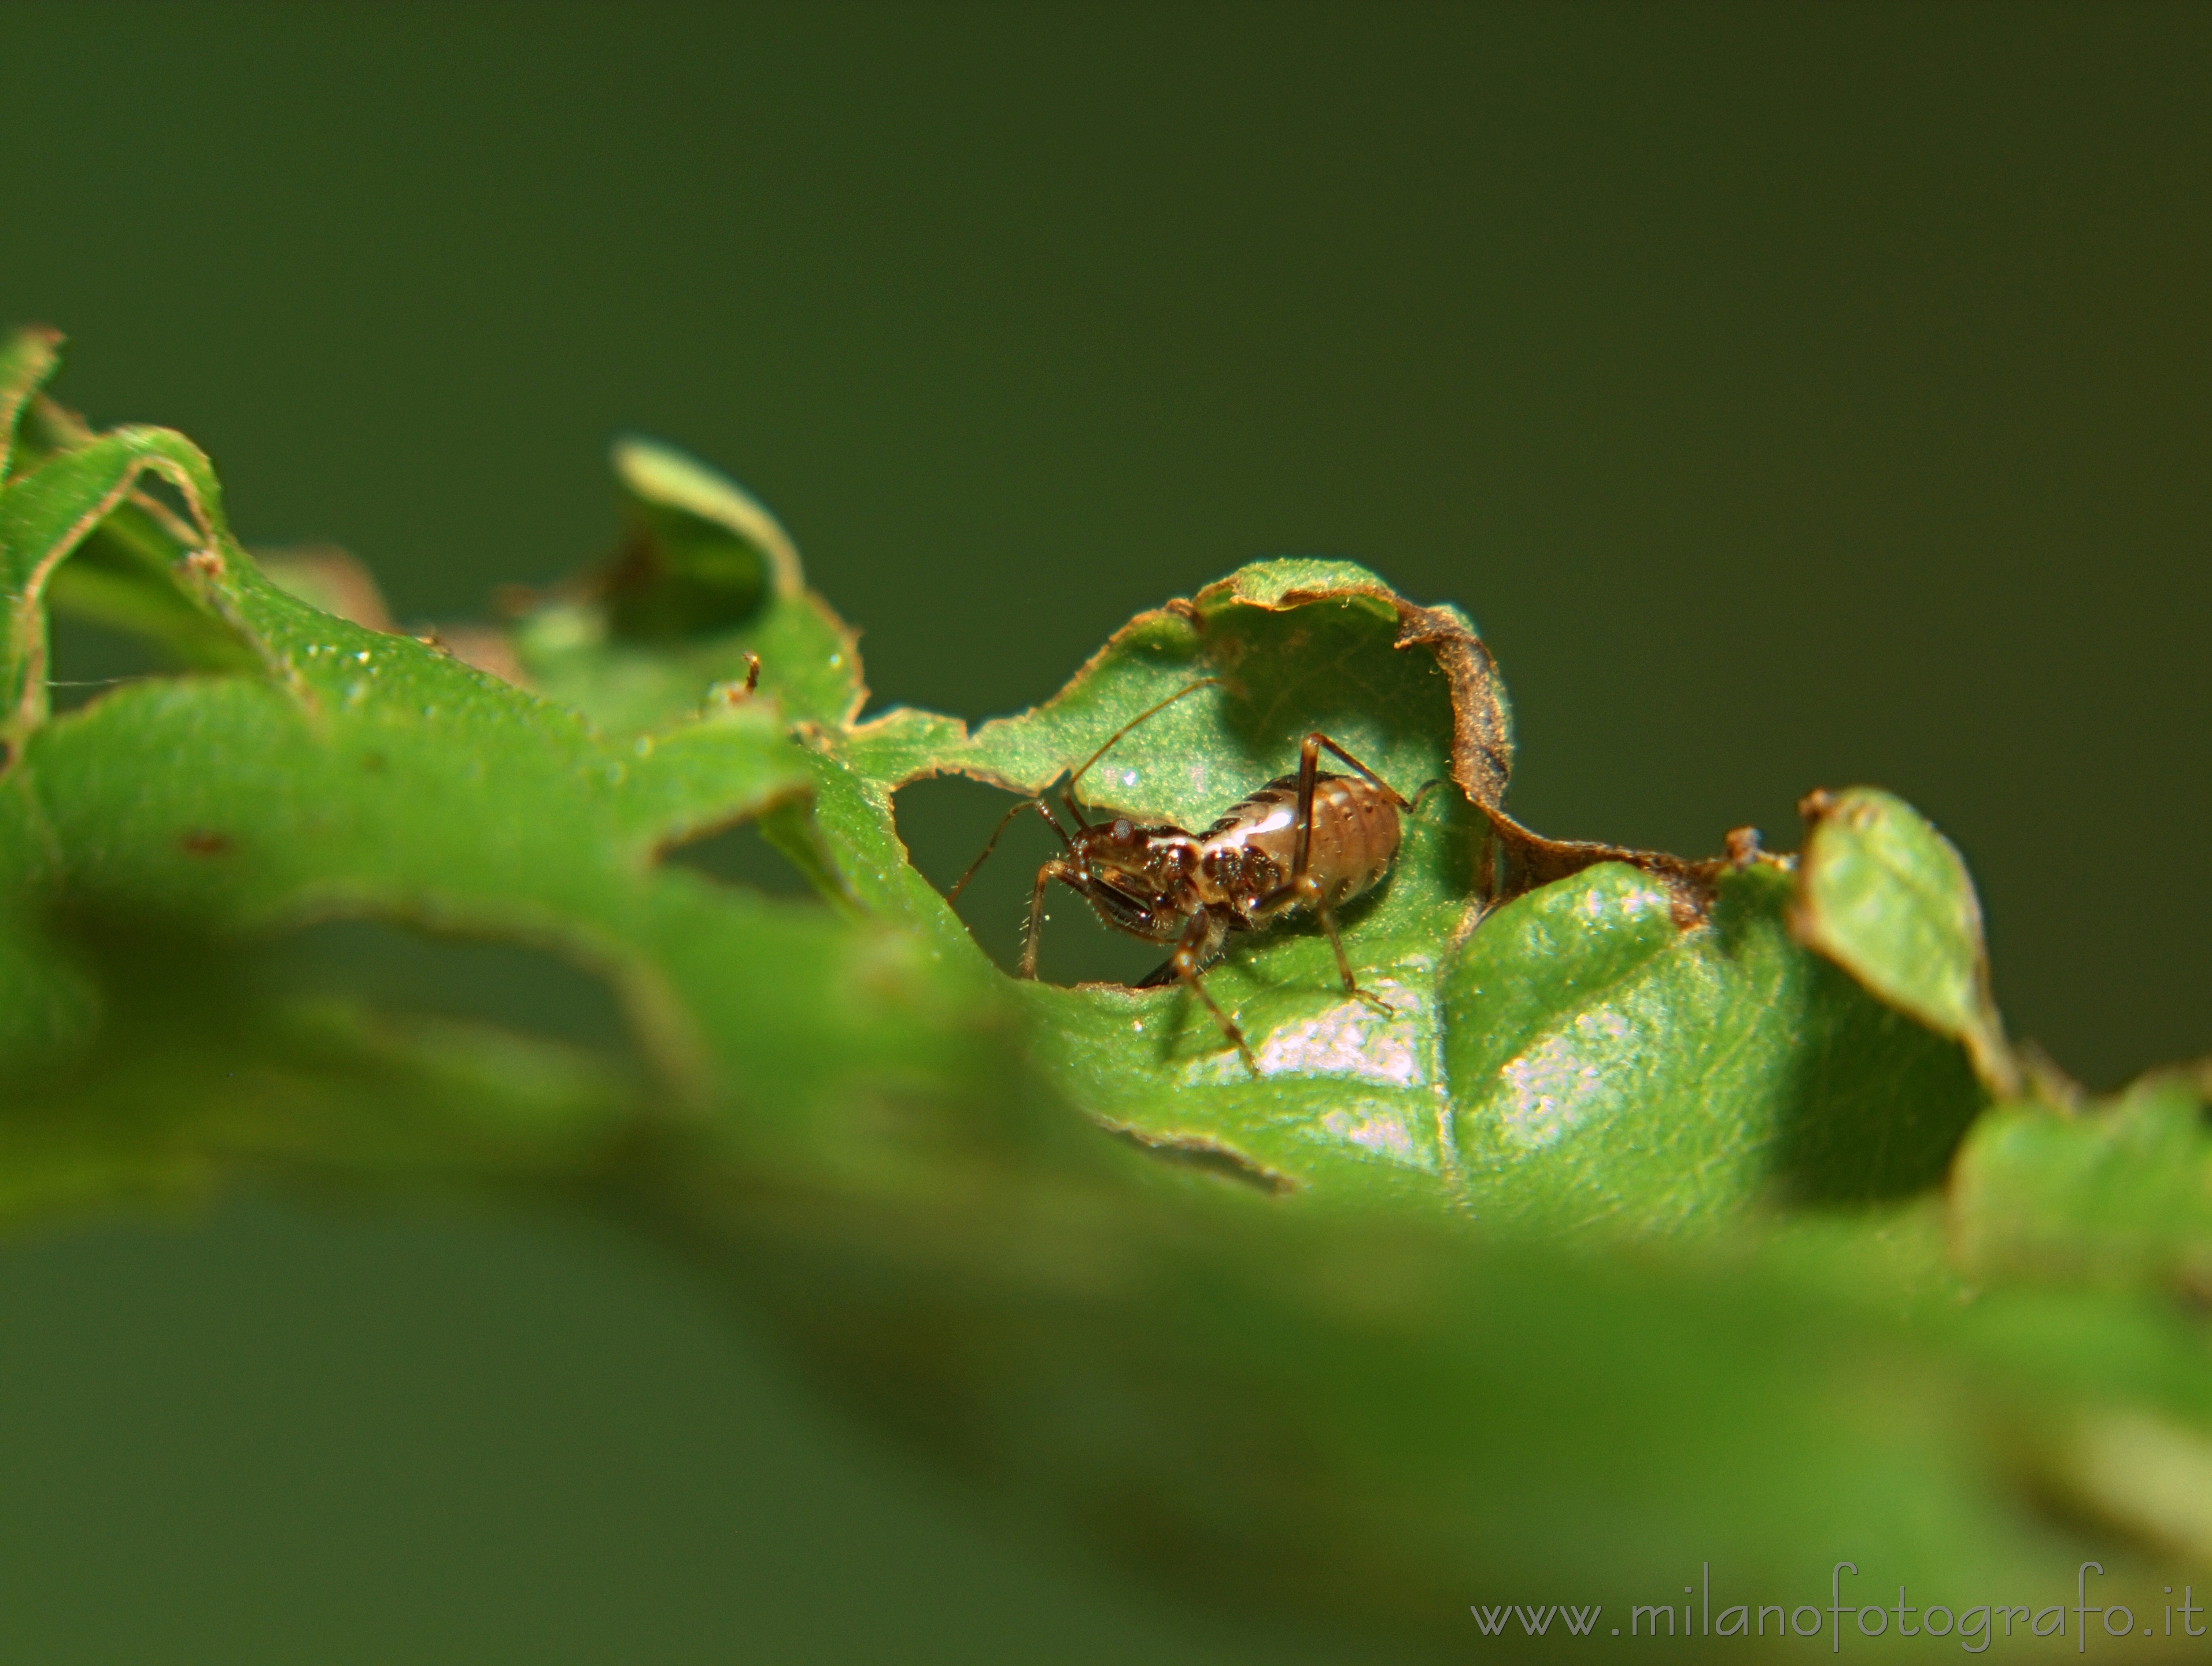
column 400, row 970
column 680, row 576
column 741, row 854
column 115, row 613
column 945, row 821
column 164, row 502
column 86, row 659
column 187, row 1014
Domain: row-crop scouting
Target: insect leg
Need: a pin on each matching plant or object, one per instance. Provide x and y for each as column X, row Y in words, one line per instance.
column 1303, row 882
column 1190, row 952
column 1067, row 800
column 1068, row 873
column 1344, row 966
column 1037, row 805
column 1316, row 740
column 1309, row 762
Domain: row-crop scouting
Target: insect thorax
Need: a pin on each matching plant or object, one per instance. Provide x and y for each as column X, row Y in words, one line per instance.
column 1238, row 874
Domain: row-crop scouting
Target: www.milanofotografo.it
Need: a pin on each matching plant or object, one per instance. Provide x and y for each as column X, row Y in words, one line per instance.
column 1853, row 1616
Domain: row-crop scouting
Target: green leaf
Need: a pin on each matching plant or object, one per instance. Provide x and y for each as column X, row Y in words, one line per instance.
column 1611, row 1068
column 704, row 554
column 1620, row 1231
column 1887, row 897
column 1637, row 1047
column 363, row 775
column 2120, row 1195
column 1292, row 646
column 27, row 359
column 707, row 594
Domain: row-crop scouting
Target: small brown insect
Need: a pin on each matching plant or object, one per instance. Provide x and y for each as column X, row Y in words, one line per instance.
column 1307, row 842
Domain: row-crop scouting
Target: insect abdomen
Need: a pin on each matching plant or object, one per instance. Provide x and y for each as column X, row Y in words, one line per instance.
column 1247, row 853
column 1355, row 837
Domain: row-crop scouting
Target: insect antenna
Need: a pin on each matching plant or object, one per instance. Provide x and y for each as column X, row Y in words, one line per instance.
column 1068, row 792
column 1005, row 822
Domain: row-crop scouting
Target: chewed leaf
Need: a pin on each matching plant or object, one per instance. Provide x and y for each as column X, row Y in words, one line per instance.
column 1324, row 1321
column 1290, row 647
column 1636, row 1044
column 1279, row 650
column 706, row 595
column 369, row 775
column 1887, row 897
column 1347, row 1100
column 49, row 511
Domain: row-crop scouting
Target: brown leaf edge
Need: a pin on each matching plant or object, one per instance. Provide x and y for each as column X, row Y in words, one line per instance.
column 1517, row 859
column 1521, row 859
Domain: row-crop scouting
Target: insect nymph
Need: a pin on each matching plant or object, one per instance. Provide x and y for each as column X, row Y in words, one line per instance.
column 1304, row 843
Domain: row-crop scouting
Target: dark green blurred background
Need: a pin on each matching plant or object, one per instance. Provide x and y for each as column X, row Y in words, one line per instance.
column 1796, row 397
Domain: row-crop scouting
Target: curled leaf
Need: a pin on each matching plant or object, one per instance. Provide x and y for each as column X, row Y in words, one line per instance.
column 1887, row 897
column 706, row 593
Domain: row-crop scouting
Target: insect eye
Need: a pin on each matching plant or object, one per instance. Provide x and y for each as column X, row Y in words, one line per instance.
column 1123, row 833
